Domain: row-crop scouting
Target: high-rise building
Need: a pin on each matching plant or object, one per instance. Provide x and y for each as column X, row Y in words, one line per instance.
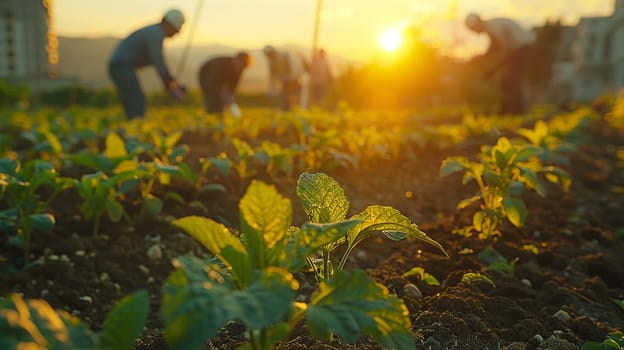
column 28, row 44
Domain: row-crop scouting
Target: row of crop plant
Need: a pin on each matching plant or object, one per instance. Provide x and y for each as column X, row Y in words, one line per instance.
column 252, row 270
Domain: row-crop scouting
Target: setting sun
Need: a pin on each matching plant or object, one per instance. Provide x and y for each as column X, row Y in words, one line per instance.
column 390, row 40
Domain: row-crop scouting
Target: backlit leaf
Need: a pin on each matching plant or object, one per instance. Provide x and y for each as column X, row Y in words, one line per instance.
column 453, row 164
column 515, row 208
column 220, row 241
column 322, row 198
column 115, row 146
column 266, row 211
column 389, row 221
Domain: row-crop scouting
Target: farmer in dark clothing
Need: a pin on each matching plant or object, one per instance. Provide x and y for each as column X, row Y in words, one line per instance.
column 509, row 51
column 218, row 79
column 140, row 49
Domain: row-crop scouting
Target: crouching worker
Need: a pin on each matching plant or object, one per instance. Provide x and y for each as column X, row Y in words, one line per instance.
column 140, row 49
column 218, row 79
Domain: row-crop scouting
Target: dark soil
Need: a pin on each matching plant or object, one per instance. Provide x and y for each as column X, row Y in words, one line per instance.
column 557, row 299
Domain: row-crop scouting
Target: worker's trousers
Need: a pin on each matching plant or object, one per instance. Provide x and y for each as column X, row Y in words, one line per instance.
column 129, row 89
column 512, row 82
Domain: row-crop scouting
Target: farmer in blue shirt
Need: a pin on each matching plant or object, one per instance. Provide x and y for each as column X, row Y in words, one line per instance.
column 142, row 48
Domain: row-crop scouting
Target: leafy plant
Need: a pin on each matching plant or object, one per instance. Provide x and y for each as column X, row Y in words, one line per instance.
column 276, row 158
column 111, row 156
column 252, row 281
column 100, row 195
column 503, row 173
column 22, row 190
column 472, row 277
column 423, row 275
column 552, row 146
column 34, row 324
column 497, row 262
column 324, row 202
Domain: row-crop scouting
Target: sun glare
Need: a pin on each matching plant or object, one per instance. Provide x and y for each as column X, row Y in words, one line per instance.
column 390, row 40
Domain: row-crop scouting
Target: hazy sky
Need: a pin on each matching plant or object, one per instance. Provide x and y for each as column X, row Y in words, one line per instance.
column 350, row 28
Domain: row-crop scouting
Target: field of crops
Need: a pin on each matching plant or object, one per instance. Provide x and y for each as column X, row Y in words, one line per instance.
column 312, row 229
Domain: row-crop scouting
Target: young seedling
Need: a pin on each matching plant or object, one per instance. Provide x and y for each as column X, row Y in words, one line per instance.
column 325, row 202
column 253, row 281
column 497, row 262
column 502, row 175
column 424, row 276
column 100, row 196
column 21, row 189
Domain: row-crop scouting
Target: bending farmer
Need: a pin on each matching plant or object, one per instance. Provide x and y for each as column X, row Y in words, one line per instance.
column 218, row 79
column 286, row 70
column 509, row 51
column 142, row 48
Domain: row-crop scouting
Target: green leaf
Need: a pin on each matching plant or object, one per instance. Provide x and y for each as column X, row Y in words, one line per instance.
column 55, row 144
column 467, row 202
column 115, row 210
column 351, row 304
column 471, row 277
column 124, row 323
column 501, row 160
column 42, row 222
column 152, row 205
column 515, row 209
column 504, row 267
column 221, row 163
column 388, row 221
column 176, row 197
column 115, row 146
column 424, row 276
column 8, row 166
column 93, row 161
column 530, row 178
column 454, row 164
column 220, row 241
column 213, row 187
column 198, row 299
column 172, row 139
column 489, row 255
column 559, row 176
column 322, row 198
column 266, row 212
column 527, row 152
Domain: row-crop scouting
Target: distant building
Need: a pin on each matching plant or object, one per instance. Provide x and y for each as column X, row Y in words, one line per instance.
column 591, row 60
column 28, row 45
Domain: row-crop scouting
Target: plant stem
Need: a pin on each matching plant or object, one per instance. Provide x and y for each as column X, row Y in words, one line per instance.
column 96, row 225
column 326, row 264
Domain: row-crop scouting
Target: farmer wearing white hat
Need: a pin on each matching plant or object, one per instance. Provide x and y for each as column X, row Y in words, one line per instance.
column 142, row 48
column 509, row 51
